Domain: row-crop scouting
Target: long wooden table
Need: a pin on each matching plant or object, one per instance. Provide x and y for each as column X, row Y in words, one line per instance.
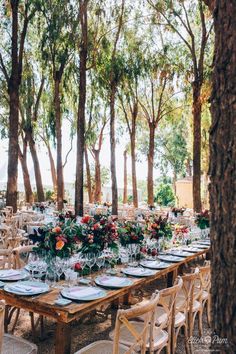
column 44, row 304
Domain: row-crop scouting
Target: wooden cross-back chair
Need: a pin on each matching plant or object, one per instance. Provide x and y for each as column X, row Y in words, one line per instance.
column 6, row 259
column 20, row 257
column 142, row 337
column 190, row 298
column 12, row 344
column 205, row 279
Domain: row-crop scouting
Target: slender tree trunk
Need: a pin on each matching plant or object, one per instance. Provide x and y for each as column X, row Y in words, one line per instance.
column 223, row 177
column 125, row 194
column 88, row 173
column 60, row 179
column 188, row 168
column 150, row 183
column 29, row 197
column 174, row 182
column 133, row 168
column 79, row 183
column 37, row 172
column 52, row 167
column 98, row 182
column 13, row 91
column 197, row 108
column 113, row 150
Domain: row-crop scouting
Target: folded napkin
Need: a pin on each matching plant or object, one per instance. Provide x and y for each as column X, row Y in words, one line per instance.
column 83, row 292
column 111, row 281
column 23, row 288
column 9, row 273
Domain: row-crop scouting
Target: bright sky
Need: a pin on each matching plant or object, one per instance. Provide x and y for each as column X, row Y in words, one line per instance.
column 69, row 171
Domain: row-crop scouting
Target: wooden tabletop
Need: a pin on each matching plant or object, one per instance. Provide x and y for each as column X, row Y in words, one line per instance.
column 44, row 304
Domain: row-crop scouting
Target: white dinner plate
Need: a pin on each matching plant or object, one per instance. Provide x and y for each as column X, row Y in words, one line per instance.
column 191, row 249
column 113, row 281
column 83, row 293
column 169, row 258
column 155, row 264
column 27, row 288
column 138, row 272
column 180, row 253
column 13, row 274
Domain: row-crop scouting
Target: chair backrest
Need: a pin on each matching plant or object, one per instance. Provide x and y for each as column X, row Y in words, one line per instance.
column 21, row 255
column 2, row 310
column 205, row 277
column 190, row 288
column 167, row 302
column 6, row 259
column 142, row 338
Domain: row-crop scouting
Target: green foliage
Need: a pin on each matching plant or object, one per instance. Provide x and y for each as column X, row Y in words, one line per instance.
column 164, row 195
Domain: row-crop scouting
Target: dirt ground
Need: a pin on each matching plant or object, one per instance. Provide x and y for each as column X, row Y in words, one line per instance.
column 97, row 326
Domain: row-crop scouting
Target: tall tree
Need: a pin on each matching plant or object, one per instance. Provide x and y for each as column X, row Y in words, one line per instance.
column 223, row 175
column 188, row 21
column 58, row 39
column 83, row 50
column 29, row 109
column 125, row 193
column 13, row 80
column 156, row 104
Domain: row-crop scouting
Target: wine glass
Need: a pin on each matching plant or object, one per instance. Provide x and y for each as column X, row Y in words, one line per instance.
column 100, row 261
column 90, row 261
column 116, row 257
column 32, row 262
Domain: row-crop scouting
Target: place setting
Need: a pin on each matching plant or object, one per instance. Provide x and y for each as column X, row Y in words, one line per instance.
column 154, row 264
column 179, row 253
column 27, row 288
column 83, row 293
column 10, row 275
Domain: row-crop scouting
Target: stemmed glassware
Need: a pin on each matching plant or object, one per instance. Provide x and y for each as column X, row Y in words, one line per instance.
column 33, row 263
column 90, row 262
column 100, row 260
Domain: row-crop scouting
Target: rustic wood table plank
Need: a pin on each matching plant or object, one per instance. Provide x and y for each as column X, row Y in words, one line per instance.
column 44, row 304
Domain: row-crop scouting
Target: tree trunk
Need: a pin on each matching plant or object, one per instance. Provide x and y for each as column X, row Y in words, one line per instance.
column 37, row 172
column 88, row 173
column 98, row 182
column 125, row 194
column 197, row 108
column 53, row 168
column 174, row 181
column 223, row 176
column 113, row 150
column 79, row 183
column 151, row 164
column 133, row 168
column 29, row 197
column 60, row 179
column 188, row 167
column 13, row 91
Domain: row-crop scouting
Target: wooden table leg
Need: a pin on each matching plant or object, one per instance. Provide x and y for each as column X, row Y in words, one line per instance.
column 63, row 338
column 171, row 276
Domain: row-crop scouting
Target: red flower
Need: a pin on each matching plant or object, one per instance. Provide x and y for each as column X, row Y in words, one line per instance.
column 77, row 267
column 56, row 229
column 85, row 219
column 96, row 226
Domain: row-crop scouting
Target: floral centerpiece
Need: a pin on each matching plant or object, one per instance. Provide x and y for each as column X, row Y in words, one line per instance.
column 130, row 233
column 203, row 219
column 94, row 233
column 59, row 241
column 159, row 227
column 181, row 229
